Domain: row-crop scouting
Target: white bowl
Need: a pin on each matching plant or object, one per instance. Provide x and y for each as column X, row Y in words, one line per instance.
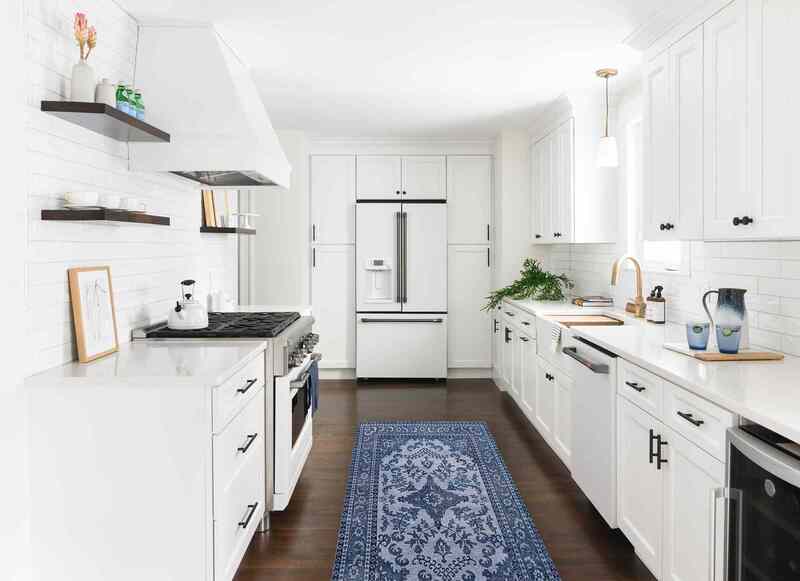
column 81, row 198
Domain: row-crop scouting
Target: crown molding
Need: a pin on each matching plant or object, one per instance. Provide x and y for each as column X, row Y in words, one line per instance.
column 673, row 13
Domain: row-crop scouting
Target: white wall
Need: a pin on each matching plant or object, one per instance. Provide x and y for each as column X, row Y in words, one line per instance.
column 146, row 261
column 14, row 504
column 279, row 263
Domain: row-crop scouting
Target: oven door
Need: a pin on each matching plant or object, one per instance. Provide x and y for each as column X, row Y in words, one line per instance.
column 293, row 430
column 758, row 515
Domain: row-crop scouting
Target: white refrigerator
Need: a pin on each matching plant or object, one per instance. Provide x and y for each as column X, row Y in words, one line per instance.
column 401, row 290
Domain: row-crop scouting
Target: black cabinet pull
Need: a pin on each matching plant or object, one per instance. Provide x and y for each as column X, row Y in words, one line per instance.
column 743, row 221
column 662, row 227
column 488, row 233
column 548, row 377
column 525, row 339
column 652, row 439
column 538, row 236
column 489, row 257
column 250, row 439
column 669, row 226
column 313, row 232
column 510, row 314
column 659, row 459
column 508, row 335
column 251, row 510
column 250, row 383
column 404, row 192
column 314, row 257
column 636, row 386
column 691, row 419
column 496, row 326
column 397, row 192
column 526, row 323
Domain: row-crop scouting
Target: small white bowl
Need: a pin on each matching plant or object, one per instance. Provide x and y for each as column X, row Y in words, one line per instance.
column 81, row 198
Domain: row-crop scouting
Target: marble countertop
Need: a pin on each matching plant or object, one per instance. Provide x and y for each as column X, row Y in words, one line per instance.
column 144, row 362
column 766, row 392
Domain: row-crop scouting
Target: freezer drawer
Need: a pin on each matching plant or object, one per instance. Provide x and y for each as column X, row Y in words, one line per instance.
column 398, row 345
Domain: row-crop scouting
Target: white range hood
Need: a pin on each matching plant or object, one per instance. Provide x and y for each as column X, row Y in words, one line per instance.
column 196, row 88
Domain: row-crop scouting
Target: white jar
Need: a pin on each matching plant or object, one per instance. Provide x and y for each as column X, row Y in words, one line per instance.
column 106, row 92
column 83, row 82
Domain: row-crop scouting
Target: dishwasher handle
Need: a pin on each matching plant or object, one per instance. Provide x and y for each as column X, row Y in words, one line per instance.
column 600, row 368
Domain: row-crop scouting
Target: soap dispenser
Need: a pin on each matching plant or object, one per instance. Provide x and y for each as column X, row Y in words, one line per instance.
column 656, row 307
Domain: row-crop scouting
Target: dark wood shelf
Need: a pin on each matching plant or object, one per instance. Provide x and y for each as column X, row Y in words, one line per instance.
column 221, row 230
column 102, row 215
column 108, row 121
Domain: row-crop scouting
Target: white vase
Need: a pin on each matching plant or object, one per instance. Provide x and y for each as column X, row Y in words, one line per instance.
column 106, row 92
column 83, row 82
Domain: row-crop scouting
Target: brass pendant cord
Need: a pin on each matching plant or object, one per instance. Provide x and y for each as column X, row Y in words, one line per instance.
column 606, row 133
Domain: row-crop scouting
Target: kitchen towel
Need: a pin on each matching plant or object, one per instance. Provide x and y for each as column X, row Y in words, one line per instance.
column 555, row 338
column 313, row 385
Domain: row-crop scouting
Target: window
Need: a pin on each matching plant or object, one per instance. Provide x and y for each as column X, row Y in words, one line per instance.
column 656, row 256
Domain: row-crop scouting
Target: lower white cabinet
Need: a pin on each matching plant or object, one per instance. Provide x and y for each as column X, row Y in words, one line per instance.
column 526, row 366
column 510, row 360
column 562, row 425
column 333, row 303
column 469, row 338
column 664, row 503
column 545, row 399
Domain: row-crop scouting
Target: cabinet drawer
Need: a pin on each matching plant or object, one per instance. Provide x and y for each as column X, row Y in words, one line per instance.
column 239, row 496
column 234, row 393
column 544, row 344
column 641, row 387
column 699, row 421
column 239, row 441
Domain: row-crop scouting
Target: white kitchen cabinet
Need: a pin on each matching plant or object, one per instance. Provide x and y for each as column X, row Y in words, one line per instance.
column 498, row 350
column 379, row 177
column 469, row 340
column 509, row 359
column 469, row 199
column 333, row 303
column 333, row 198
column 527, row 372
column 640, row 502
column 424, row 177
column 562, row 424
column 552, row 196
column 545, row 401
column 673, row 141
column 689, row 476
column 540, row 200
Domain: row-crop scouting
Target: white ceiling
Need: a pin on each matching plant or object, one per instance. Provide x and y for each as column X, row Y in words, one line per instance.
column 416, row 68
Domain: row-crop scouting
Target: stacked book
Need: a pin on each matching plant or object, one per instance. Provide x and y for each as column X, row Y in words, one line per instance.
column 594, row 301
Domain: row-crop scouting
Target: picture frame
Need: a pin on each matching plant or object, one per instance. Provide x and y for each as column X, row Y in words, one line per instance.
column 209, row 211
column 92, row 298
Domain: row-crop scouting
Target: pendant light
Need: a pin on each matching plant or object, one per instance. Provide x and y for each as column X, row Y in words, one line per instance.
column 607, row 153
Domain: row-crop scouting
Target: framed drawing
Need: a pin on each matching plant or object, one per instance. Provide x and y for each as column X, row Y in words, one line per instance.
column 92, row 301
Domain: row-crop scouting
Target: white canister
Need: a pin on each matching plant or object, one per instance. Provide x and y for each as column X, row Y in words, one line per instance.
column 106, row 92
column 83, row 83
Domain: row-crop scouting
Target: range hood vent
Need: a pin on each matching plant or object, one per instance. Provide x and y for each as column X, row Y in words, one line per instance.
column 195, row 86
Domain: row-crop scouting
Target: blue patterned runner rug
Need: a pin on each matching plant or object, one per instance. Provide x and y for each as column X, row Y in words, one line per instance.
column 434, row 501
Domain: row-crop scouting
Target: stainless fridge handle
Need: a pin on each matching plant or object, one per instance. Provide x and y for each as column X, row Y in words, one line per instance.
column 399, row 256
column 600, row 368
column 404, row 221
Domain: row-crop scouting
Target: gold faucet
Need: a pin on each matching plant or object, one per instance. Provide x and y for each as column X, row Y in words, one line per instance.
column 638, row 306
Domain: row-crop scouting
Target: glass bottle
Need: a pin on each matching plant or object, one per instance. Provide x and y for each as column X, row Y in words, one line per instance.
column 121, row 103
column 137, row 99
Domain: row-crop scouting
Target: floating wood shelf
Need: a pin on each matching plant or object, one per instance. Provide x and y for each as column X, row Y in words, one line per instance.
column 223, row 230
column 108, row 121
column 103, row 215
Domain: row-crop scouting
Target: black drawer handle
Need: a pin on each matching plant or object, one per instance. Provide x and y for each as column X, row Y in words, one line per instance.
column 526, row 323
column 691, row 419
column 251, row 510
column 250, row 439
column 525, row 339
column 510, row 314
column 636, row 386
column 549, row 377
column 250, row 383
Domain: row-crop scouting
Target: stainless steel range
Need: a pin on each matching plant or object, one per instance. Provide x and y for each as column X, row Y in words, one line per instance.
column 288, row 413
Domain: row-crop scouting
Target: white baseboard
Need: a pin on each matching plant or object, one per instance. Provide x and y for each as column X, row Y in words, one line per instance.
column 453, row 373
column 344, row 373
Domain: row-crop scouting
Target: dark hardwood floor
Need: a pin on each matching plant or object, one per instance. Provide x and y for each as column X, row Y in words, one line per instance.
column 302, row 542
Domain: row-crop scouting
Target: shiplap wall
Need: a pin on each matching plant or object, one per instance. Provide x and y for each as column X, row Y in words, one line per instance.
column 146, row 261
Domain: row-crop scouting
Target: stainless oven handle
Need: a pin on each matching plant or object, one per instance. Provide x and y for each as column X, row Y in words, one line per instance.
column 600, row 368
column 367, row 320
column 767, row 457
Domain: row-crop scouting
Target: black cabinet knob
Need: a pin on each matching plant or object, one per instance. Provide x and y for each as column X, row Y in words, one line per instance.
column 397, row 192
column 743, row 221
column 662, row 227
column 404, row 192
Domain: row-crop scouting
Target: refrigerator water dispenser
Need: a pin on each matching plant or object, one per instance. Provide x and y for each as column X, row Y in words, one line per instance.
column 378, row 280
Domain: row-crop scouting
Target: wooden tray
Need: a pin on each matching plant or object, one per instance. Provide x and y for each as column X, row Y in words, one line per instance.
column 744, row 355
column 585, row 320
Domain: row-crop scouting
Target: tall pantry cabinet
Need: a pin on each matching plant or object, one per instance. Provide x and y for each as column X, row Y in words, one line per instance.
column 333, row 235
column 465, row 181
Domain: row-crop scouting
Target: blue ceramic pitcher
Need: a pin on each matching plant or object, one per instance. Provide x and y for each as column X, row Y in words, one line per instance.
column 731, row 310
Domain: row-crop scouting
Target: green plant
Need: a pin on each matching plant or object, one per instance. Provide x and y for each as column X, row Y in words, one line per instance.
column 533, row 283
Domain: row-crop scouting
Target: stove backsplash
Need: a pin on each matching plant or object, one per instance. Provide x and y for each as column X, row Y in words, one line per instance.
column 146, row 261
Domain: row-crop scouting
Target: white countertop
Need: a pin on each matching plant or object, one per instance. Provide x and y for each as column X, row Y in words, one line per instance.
column 143, row 362
column 766, row 392
column 304, row 310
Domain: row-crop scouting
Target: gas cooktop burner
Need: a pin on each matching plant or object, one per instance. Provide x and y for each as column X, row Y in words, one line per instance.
column 233, row 325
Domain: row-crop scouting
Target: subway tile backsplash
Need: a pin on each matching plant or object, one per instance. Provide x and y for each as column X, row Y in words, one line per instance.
column 770, row 271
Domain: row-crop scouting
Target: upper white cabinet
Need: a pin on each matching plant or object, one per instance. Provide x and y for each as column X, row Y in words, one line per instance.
column 752, row 165
column 424, row 177
column 571, row 199
column 469, row 337
column 469, row 199
column 394, row 177
column 379, row 177
column 333, row 198
column 673, row 141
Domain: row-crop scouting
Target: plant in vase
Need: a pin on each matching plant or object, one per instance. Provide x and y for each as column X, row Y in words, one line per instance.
column 533, row 283
column 83, row 77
